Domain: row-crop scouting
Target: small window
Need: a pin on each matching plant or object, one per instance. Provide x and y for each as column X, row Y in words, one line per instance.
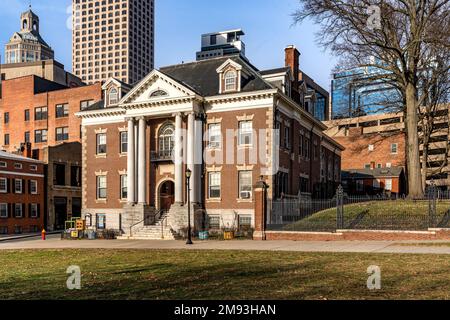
column 40, row 136
column 213, row 40
column 101, row 187
column 6, row 142
column 158, row 93
column 33, row 167
column 3, row 210
column 371, row 147
column 62, row 110
column 230, row 80
column 214, row 222
column 214, row 185
column 394, row 148
column 245, row 184
column 245, row 133
column 101, row 221
column 3, row 185
column 27, row 115
column 367, row 166
column 123, row 187
column 215, row 136
column 34, row 210
column 40, row 113
column 113, row 96
column 86, row 104
column 62, row 134
column 3, row 164
column 388, row 184
column 6, row 118
column 18, row 166
column 388, row 165
column 124, row 142
column 18, row 210
column 245, row 222
column 18, row 185
column 287, row 137
column 101, row 143
column 33, row 187
column 27, row 137
column 75, row 176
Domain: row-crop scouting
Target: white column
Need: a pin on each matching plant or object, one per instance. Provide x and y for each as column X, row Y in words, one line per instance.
column 142, row 175
column 136, row 160
column 131, row 162
column 198, row 158
column 178, row 159
column 190, row 153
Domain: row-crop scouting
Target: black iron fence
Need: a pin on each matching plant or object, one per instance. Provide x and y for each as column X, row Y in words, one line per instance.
column 382, row 212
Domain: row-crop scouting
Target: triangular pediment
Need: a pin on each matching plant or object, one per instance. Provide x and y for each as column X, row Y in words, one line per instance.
column 156, row 87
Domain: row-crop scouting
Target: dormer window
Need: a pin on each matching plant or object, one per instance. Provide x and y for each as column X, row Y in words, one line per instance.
column 113, row 96
column 230, row 79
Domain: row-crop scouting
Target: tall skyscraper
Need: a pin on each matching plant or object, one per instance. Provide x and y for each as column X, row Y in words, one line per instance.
column 27, row 45
column 113, row 38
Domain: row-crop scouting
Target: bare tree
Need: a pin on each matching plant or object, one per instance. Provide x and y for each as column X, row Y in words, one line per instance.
column 398, row 35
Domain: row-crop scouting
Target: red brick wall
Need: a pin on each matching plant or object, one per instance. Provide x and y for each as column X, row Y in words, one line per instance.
column 18, row 96
column 26, row 198
column 357, row 154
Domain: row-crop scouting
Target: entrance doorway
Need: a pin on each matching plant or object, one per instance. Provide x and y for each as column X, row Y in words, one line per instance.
column 60, row 212
column 166, row 195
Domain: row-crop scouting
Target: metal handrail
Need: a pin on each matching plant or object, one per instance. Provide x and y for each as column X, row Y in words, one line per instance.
column 157, row 216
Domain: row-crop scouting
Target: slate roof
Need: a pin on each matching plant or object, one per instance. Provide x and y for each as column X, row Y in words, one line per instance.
column 202, row 78
column 96, row 106
column 372, row 173
column 274, row 71
column 32, row 36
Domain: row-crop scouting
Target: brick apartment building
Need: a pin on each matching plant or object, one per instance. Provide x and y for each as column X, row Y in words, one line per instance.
column 374, row 157
column 36, row 113
column 22, row 194
column 38, row 121
column 185, row 111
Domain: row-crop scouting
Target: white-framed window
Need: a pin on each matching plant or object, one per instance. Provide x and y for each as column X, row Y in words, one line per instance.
column 123, row 187
column 388, row 165
column 245, row 184
column 17, row 166
column 166, row 140
column 33, row 187
column 3, row 164
column 34, row 210
column 3, row 185
column 245, row 133
column 230, row 80
column 124, row 142
column 388, row 184
column 215, row 136
column 62, row 110
column 214, row 222
column 40, row 136
column 18, row 210
column 113, row 96
column 214, row 185
column 62, row 134
column 101, row 143
column 33, row 167
column 245, row 221
column 101, row 187
column 18, row 184
column 3, row 210
column 394, row 148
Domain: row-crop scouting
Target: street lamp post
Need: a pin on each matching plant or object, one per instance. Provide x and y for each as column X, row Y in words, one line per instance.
column 188, row 177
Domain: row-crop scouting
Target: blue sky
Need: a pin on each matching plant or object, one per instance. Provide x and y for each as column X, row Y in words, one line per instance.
column 179, row 23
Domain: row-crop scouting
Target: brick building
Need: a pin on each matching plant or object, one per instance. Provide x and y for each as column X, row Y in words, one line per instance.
column 220, row 119
column 22, row 194
column 36, row 113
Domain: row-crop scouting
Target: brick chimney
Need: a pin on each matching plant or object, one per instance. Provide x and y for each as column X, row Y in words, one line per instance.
column 292, row 60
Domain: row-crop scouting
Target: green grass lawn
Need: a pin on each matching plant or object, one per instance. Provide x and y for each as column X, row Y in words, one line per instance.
column 215, row 275
column 389, row 215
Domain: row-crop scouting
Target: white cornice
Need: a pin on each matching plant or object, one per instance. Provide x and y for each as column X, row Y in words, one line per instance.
column 106, row 112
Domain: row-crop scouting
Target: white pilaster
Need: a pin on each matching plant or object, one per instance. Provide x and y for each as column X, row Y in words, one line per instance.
column 142, row 185
column 198, row 158
column 131, row 162
column 178, row 157
column 190, row 154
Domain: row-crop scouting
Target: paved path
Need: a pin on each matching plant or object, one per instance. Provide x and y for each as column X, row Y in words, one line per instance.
column 53, row 242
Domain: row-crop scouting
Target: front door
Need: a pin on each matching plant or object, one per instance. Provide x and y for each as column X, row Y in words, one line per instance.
column 167, row 195
column 60, row 212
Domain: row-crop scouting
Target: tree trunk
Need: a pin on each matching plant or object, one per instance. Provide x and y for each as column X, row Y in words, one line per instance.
column 413, row 155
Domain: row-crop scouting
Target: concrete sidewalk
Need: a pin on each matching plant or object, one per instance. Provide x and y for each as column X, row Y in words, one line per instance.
column 54, row 242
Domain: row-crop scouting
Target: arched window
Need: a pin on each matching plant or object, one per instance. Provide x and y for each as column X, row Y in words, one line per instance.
column 113, row 96
column 25, row 24
column 230, row 80
column 166, row 140
column 158, row 93
column 35, row 25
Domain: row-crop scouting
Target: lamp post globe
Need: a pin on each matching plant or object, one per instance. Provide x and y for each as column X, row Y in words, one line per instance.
column 188, row 177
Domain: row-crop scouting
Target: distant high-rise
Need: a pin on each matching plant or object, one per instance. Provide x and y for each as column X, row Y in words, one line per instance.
column 113, row 38
column 27, row 45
